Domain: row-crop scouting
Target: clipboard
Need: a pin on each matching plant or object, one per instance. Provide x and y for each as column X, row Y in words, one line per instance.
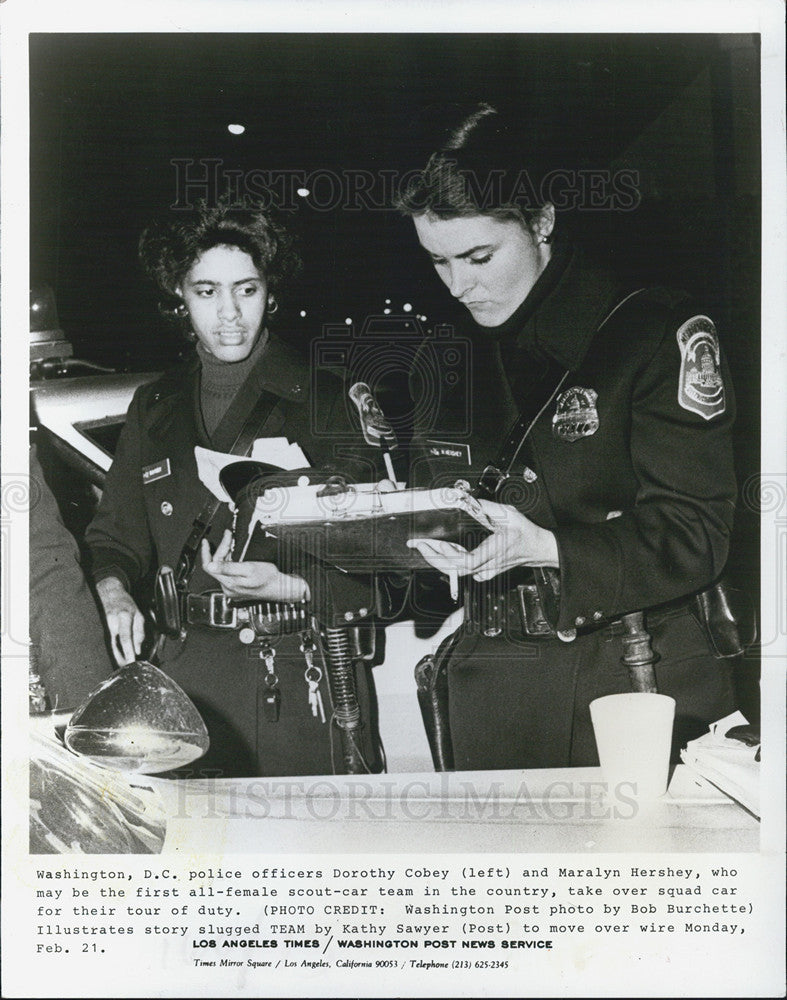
column 355, row 528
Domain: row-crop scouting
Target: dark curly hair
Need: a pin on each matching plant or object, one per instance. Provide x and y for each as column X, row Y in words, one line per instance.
column 475, row 166
column 168, row 249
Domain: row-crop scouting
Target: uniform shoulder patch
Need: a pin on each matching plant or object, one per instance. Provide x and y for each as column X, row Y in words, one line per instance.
column 700, row 383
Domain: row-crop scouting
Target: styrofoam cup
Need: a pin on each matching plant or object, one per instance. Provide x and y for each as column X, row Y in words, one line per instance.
column 633, row 734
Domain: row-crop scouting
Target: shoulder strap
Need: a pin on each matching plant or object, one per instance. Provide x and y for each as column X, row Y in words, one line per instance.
column 494, row 475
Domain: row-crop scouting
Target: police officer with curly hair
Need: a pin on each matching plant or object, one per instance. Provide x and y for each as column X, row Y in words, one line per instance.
column 221, row 272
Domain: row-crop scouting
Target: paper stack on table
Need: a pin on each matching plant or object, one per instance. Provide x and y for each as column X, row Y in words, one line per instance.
column 728, row 762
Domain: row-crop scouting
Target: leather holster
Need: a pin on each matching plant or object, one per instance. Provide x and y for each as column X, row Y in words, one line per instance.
column 713, row 609
column 431, row 679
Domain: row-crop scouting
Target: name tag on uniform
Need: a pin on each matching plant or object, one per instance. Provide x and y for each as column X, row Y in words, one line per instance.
column 159, row 470
column 447, row 449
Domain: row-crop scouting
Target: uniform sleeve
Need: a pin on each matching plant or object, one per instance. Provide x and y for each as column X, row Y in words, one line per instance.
column 119, row 535
column 65, row 628
column 674, row 540
column 350, row 455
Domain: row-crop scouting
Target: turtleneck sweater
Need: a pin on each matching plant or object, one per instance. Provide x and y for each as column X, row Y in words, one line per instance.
column 524, row 361
column 518, row 326
column 221, row 380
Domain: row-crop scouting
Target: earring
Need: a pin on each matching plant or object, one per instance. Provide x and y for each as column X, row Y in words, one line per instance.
column 181, row 311
column 273, row 305
column 545, row 238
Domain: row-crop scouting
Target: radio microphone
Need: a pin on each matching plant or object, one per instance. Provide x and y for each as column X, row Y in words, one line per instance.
column 375, row 426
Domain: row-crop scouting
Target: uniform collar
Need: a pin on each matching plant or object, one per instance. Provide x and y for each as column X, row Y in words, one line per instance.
column 563, row 310
column 281, row 370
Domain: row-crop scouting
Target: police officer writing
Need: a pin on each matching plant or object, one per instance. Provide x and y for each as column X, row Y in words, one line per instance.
column 266, row 705
column 613, row 492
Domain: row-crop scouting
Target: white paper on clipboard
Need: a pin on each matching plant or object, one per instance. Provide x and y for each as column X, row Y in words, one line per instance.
column 272, row 451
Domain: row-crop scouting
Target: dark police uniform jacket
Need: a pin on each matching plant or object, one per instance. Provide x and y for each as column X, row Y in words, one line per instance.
column 629, row 463
column 152, row 496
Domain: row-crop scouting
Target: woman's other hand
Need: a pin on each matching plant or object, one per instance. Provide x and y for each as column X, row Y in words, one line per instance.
column 515, row 541
column 125, row 622
column 250, row 580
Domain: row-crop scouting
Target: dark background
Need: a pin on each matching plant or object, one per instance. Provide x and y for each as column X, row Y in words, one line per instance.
column 109, row 114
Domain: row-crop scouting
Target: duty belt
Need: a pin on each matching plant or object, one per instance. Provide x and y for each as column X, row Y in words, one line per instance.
column 174, row 610
column 215, row 610
column 496, row 607
column 518, row 612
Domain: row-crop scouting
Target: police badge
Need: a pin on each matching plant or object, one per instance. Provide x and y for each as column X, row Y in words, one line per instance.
column 575, row 414
column 700, row 385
